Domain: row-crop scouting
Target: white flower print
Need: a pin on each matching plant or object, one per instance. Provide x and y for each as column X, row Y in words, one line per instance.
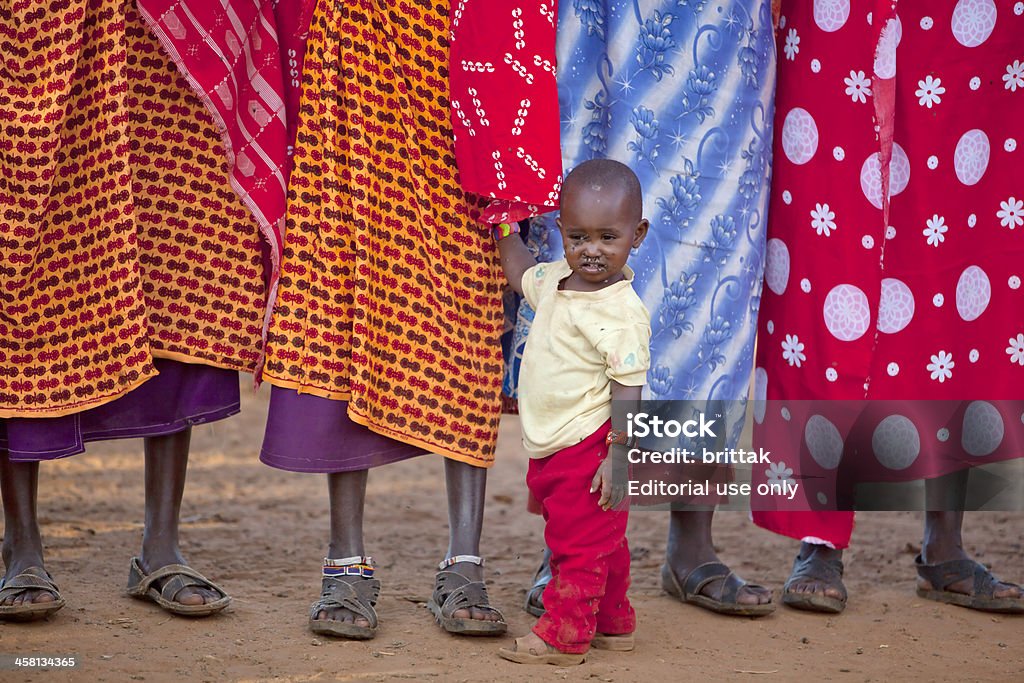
column 823, row 219
column 777, row 471
column 1016, row 349
column 929, row 91
column 857, row 86
column 792, row 44
column 936, row 230
column 1012, row 213
column 941, row 366
column 1014, row 76
column 793, row 350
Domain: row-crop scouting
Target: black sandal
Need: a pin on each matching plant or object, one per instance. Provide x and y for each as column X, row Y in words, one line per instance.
column 534, row 603
column 724, row 602
column 814, row 568
column 982, row 596
column 453, row 591
column 348, row 584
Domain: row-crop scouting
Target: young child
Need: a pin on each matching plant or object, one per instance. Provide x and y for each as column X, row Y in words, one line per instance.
column 589, row 345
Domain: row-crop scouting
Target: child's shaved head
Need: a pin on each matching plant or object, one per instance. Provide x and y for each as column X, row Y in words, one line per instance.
column 601, row 221
column 606, row 177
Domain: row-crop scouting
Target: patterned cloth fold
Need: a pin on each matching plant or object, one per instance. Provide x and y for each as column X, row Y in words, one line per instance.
column 504, row 103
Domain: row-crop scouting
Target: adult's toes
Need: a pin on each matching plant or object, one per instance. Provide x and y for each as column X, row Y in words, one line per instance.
column 832, row 592
column 1008, row 590
column 475, row 613
column 187, row 596
column 753, row 596
column 484, row 614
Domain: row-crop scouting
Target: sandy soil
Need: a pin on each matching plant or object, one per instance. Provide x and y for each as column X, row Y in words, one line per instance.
column 261, row 533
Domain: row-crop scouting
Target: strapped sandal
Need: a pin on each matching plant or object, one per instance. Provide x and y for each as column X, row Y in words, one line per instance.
column 339, row 590
column 816, row 569
column 548, row 655
column 982, row 596
column 534, row 603
column 33, row 578
column 141, row 586
column 725, row 600
column 453, row 591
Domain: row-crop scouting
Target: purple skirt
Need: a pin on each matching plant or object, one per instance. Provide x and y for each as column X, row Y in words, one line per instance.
column 307, row 433
column 182, row 395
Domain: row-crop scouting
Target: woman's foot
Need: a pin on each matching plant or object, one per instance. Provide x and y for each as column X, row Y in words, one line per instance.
column 690, row 546
column 157, row 557
column 347, row 607
column 816, row 582
column 28, row 590
column 18, row 562
column 340, row 614
column 459, row 590
column 473, row 572
column 947, row 574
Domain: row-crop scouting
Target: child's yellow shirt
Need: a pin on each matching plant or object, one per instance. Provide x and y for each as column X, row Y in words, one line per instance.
column 579, row 342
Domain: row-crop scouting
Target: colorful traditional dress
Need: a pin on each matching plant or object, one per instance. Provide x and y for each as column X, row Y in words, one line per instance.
column 681, row 92
column 892, row 331
column 124, row 238
column 388, row 312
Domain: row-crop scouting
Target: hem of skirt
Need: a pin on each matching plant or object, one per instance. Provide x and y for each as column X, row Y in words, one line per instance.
column 130, row 433
column 77, row 407
column 191, row 359
column 301, row 388
column 284, row 463
column 413, row 441
column 384, row 431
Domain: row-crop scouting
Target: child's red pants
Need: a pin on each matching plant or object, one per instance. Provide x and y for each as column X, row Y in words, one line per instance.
column 589, row 555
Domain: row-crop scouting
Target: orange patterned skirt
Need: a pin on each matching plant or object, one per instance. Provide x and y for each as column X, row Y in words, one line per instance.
column 390, row 292
column 120, row 237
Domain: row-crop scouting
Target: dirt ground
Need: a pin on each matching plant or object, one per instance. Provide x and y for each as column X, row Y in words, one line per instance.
column 261, row 533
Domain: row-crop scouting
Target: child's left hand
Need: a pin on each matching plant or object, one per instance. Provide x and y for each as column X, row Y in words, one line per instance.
column 611, row 495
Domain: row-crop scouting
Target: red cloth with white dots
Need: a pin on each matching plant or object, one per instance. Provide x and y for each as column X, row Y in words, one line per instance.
column 906, row 289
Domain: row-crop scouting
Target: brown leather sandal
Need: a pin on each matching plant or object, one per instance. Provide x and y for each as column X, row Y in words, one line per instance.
column 982, row 596
column 33, row 578
column 178, row 576
column 724, row 602
column 815, row 569
column 354, row 593
column 453, row 591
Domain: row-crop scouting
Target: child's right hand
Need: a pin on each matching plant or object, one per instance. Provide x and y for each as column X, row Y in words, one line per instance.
column 611, row 495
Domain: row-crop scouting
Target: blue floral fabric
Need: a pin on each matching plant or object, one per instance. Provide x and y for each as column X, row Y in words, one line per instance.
column 681, row 91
